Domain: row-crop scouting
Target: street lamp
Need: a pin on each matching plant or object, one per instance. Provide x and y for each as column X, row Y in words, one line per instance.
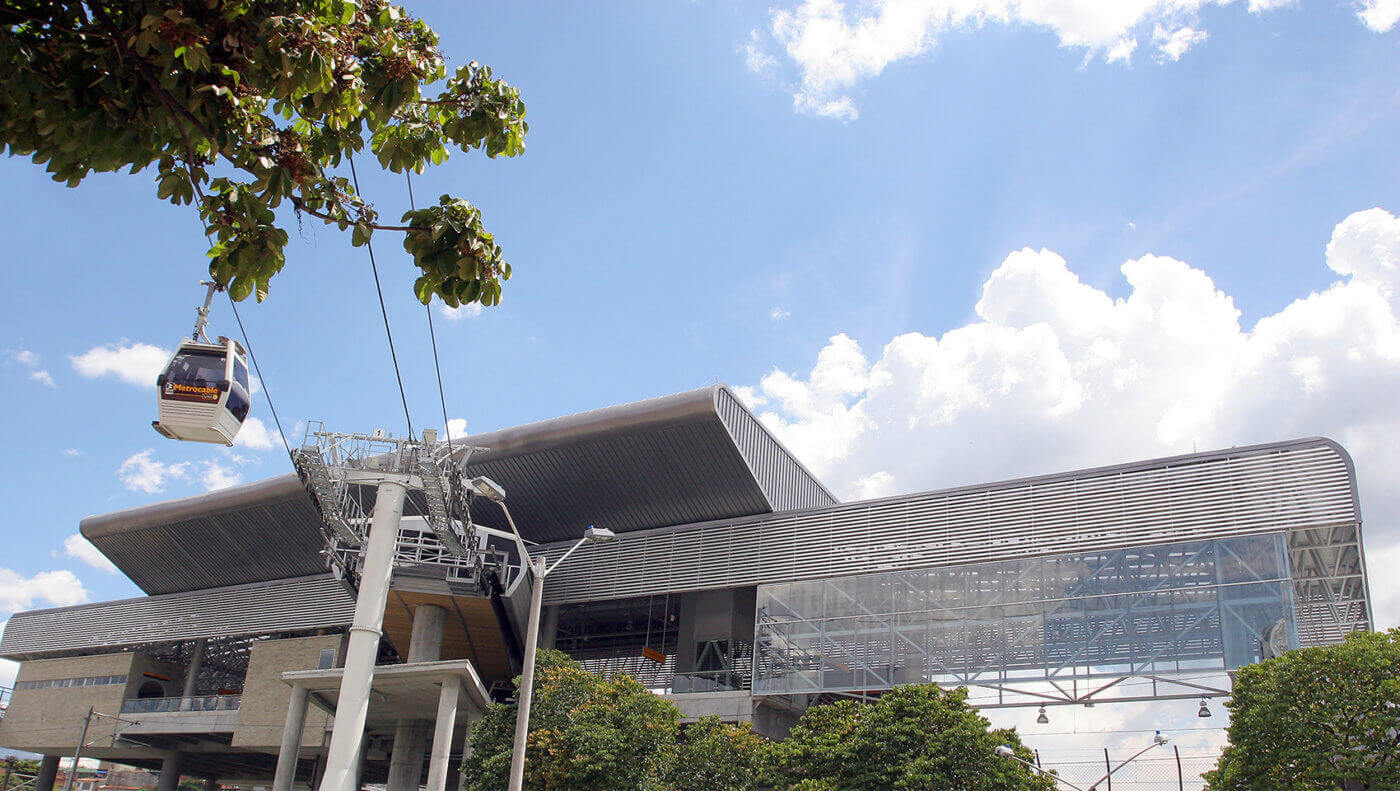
column 539, row 569
column 1006, row 752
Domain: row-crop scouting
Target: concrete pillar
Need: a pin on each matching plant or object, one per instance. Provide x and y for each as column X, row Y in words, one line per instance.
column 287, row 756
column 348, row 731
column 549, row 626
column 196, row 662
column 48, row 773
column 170, row 769
column 425, row 643
column 211, row 784
column 442, row 733
column 406, row 757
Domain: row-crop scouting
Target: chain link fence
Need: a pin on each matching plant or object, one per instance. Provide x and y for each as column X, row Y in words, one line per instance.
column 1168, row 770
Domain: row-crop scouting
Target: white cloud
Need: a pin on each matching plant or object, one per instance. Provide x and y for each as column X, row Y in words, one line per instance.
column 31, row 360
column 456, row 428
column 468, row 311
column 136, row 364
column 75, row 546
column 217, row 476
column 1172, row 44
column 141, row 472
column 8, row 669
column 1380, row 15
column 1054, row 374
column 836, row 44
column 255, row 435
column 778, row 314
column 47, row 588
column 73, row 452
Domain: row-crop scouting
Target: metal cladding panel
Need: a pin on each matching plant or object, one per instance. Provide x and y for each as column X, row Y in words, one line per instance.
column 244, row 610
column 787, row 484
column 1307, row 484
column 661, row 476
column 262, row 531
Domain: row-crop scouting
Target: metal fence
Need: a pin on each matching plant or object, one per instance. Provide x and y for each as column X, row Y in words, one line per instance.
column 1169, row 770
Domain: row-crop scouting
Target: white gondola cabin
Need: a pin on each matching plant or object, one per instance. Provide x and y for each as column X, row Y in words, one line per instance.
column 203, row 393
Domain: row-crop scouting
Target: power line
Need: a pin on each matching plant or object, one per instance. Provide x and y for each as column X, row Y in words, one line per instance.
column 432, row 333
column 374, row 267
column 267, row 391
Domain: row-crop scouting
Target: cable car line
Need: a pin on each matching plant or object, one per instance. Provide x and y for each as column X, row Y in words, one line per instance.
column 253, row 358
column 374, row 267
column 432, row 333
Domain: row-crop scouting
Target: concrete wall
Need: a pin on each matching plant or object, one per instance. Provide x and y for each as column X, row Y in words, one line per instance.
column 263, row 710
column 49, row 720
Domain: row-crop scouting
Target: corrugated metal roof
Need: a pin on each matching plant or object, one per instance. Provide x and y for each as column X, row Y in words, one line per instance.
column 261, row 608
column 691, row 457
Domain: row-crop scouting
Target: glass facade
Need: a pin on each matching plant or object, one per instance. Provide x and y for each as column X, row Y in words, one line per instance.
column 1172, row 608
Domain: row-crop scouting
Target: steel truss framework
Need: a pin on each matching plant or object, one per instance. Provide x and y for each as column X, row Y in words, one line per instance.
column 1067, row 628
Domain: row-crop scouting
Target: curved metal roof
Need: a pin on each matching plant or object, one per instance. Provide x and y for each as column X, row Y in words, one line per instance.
column 691, row 457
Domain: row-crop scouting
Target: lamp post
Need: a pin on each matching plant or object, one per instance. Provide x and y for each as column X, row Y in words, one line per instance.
column 539, row 569
column 1006, row 752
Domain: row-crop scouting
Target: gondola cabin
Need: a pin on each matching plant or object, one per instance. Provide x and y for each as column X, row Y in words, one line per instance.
column 203, row 393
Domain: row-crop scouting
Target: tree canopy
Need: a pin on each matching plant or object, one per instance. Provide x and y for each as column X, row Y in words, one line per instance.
column 1317, row 718
column 245, row 106
column 914, row 738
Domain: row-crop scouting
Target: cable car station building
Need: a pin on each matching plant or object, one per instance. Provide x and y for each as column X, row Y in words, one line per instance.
column 737, row 586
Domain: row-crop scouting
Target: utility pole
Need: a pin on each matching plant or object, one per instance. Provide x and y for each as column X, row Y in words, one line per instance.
column 78, row 753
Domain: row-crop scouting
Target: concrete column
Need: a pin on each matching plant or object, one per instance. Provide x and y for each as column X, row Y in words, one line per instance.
column 442, row 733
column 170, row 769
column 196, row 662
column 406, row 756
column 211, row 784
column 429, row 623
column 290, row 751
column 48, row 773
column 348, row 732
column 549, row 626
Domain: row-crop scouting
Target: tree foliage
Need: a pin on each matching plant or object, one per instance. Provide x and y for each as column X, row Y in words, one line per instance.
column 244, row 106
column 586, row 734
column 915, row 737
column 714, row 756
column 1316, row 718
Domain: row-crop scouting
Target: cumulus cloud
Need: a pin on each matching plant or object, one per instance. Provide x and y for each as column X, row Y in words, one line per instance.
column 836, row 44
column 136, row 364
column 779, row 313
column 255, row 435
column 1054, row 374
column 75, row 546
column 142, row 472
column 1379, row 15
column 468, row 311
column 30, row 360
column 47, row 588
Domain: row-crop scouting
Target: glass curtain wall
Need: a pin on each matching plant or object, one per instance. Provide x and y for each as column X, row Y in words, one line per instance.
column 1188, row 607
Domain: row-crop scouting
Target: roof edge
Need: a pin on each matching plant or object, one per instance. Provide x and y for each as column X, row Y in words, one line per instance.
column 582, row 426
column 199, row 505
column 724, row 389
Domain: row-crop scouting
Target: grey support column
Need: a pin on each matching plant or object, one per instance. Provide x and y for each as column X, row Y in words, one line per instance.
column 549, row 626
column 48, row 773
column 170, row 769
column 442, row 733
column 425, row 644
column 290, row 751
column 196, row 662
column 406, row 758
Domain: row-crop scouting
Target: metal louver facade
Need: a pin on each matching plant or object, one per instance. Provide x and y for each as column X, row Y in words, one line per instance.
column 1301, row 488
column 283, row 606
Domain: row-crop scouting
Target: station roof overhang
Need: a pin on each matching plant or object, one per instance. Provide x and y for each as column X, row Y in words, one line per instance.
column 692, row 457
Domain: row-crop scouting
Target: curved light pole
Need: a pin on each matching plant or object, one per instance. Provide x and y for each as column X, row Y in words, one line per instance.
column 1006, row 752
column 539, row 569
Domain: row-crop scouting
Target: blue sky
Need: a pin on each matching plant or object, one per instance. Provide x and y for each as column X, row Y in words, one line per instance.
column 769, row 195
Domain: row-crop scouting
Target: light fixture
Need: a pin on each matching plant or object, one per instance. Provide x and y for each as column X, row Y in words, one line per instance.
column 1003, row 749
column 1042, row 719
column 488, row 488
column 1158, row 738
column 1204, row 710
column 598, row 534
